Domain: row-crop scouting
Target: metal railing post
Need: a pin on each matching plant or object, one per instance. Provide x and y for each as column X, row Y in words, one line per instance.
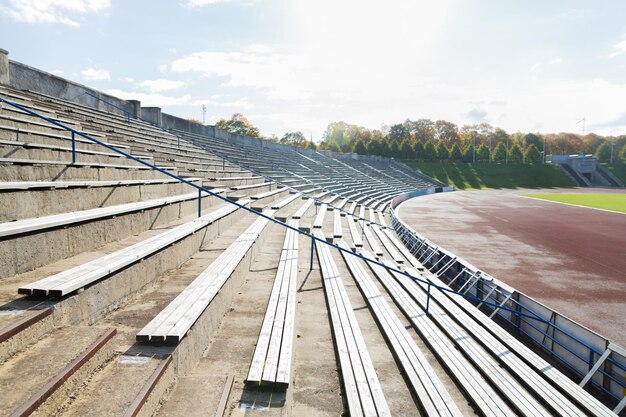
column 312, row 248
column 73, row 147
column 428, row 300
column 199, row 203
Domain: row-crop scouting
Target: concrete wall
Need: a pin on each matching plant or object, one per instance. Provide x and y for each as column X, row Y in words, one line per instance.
column 4, row 67
column 23, row 77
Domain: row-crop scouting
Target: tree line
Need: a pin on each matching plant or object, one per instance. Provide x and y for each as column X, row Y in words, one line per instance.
column 425, row 140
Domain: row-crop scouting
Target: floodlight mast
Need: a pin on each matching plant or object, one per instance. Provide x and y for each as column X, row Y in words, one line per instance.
column 583, row 122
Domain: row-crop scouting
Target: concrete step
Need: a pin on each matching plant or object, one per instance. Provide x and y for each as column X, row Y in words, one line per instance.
column 38, row 198
column 41, row 371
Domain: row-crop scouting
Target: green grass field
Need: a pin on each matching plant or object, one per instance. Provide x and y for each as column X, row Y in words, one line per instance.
column 613, row 202
column 465, row 176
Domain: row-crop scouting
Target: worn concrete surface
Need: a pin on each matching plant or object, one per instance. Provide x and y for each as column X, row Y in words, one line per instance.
column 572, row 259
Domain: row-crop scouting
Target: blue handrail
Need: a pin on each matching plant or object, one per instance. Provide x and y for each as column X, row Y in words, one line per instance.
column 260, row 214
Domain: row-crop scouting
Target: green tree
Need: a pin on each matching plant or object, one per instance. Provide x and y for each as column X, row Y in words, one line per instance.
column 293, row 139
column 374, row 147
column 515, row 154
column 499, row 153
column 406, row 150
column 482, row 153
column 394, row 149
column 418, row 150
column 422, row 130
column 430, row 154
column 455, row 153
column 333, row 146
column 238, row 125
column 398, row 133
column 311, row 145
column 532, row 139
column 622, row 153
column 359, row 147
column 603, row 153
column 446, row 132
column 443, row 153
column 468, row 153
column 532, row 155
column 384, row 149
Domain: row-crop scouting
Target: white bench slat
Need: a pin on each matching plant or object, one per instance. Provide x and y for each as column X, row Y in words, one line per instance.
column 33, row 185
column 175, row 320
column 524, row 401
column 283, row 203
column 250, row 186
column 337, row 230
column 393, row 252
column 319, row 219
column 428, row 387
column 480, row 392
column 371, row 240
column 285, row 274
column 78, row 277
column 365, row 396
column 268, row 194
column 354, row 234
column 303, row 209
column 64, row 219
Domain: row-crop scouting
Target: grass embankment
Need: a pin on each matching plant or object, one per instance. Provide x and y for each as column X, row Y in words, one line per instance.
column 619, row 170
column 613, row 202
column 464, row 176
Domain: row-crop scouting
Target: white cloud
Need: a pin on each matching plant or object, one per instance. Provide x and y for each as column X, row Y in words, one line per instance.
column 94, row 74
column 202, row 3
column 555, row 61
column 52, row 11
column 620, row 48
column 151, row 99
column 159, row 85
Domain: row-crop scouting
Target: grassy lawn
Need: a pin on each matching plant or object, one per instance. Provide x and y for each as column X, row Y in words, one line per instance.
column 619, row 170
column 465, row 176
column 613, row 202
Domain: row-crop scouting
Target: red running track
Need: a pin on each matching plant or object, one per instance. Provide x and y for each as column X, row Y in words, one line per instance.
column 572, row 259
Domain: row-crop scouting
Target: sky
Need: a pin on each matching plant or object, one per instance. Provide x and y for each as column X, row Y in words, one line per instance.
column 298, row 65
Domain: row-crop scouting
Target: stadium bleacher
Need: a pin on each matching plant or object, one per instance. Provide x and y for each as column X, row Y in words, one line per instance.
column 117, row 281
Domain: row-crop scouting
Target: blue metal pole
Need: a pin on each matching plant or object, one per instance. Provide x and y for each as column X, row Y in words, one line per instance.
column 312, row 248
column 428, row 299
column 73, row 147
column 199, row 203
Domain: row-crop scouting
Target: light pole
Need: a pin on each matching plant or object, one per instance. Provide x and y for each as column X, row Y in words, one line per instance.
column 612, row 145
column 544, row 149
